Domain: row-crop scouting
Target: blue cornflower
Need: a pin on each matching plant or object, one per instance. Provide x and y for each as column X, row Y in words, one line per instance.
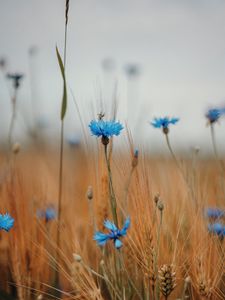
column 214, row 213
column 217, row 228
column 6, row 222
column 164, row 123
column 105, row 129
column 214, row 114
column 115, row 234
column 48, row 214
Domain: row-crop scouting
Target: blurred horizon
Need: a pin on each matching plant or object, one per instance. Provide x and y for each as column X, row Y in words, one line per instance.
column 160, row 57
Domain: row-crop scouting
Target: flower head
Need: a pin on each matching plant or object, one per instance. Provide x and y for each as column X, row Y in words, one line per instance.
column 114, row 233
column 105, row 129
column 16, row 78
column 6, row 222
column 164, row 123
column 214, row 114
column 48, row 214
column 214, row 213
column 217, row 228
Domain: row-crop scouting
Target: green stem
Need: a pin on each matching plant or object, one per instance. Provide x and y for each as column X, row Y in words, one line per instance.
column 111, row 190
column 128, row 276
column 172, row 153
column 60, row 184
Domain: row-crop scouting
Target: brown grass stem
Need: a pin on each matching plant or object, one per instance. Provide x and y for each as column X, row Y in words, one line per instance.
column 157, row 254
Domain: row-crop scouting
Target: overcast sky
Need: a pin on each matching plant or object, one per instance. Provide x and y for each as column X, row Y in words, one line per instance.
column 179, row 46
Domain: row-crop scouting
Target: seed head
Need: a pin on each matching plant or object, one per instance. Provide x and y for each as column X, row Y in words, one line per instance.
column 157, row 198
column 167, row 279
column 67, row 11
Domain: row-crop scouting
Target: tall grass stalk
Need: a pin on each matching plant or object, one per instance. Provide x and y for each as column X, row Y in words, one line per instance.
column 216, row 150
column 219, row 161
column 158, row 249
column 58, row 240
column 184, row 177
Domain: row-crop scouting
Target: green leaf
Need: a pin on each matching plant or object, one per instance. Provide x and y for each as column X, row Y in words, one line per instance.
column 64, row 98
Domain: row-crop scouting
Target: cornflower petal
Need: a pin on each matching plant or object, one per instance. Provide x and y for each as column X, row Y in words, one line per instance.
column 101, row 238
column 105, row 128
column 126, row 226
column 110, row 225
column 118, row 244
column 163, row 122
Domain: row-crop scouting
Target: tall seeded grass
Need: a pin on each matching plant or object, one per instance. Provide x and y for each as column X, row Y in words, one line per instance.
column 179, row 261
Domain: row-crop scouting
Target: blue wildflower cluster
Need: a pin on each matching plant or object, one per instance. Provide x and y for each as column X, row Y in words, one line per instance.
column 217, row 228
column 105, row 129
column 115, row 234
column 48, row 214
column 164, row 123
column 6, row 222
column 214, row 213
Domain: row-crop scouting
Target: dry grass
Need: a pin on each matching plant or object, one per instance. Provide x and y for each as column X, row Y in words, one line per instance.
column 28, row 251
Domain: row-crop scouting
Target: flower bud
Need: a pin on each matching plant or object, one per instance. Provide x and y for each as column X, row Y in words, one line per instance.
column 105, row 140
column 90, row 193
column 135, row 159
column 16, row 148
column 165, row 130
column 157, row 198
column 77, row 257
column 160, row 205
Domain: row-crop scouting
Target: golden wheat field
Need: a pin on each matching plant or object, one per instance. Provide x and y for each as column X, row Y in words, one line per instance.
column 167, row 247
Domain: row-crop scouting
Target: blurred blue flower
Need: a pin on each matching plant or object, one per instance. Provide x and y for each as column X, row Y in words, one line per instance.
column 214, row 213
column 115, row 234
column 105, row 129
column 164, row 123
column 6, row 222
column 214, row 114
column 217, row 228
column 48, row 214
column 73, row 141
column 16, row 78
